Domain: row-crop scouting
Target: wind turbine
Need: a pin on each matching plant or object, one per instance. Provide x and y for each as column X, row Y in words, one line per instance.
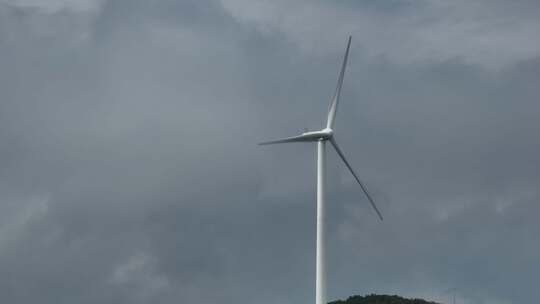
column 321, row 137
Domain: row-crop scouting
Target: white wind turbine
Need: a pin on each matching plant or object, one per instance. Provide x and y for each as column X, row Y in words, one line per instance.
column 321, row 137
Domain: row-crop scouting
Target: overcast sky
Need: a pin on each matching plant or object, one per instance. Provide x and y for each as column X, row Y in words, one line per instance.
column 129, row 170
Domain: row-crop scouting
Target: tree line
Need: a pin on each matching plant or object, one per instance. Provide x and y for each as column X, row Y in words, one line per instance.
column 381, row 299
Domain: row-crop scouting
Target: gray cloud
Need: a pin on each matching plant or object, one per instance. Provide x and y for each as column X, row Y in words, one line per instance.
column 129, row 171
column 489, row 33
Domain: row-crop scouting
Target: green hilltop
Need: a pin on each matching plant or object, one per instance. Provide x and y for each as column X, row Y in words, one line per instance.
column 381, row 299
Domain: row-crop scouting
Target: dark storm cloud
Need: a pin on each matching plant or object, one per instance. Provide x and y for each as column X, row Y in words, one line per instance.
column 129, row 171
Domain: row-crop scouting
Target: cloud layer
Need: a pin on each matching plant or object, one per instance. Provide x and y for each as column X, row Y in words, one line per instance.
column 129, row 170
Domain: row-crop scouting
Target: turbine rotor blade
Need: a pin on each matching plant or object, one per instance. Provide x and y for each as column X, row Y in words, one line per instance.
column 299, row 138
column 335, row 98
column 338, row 150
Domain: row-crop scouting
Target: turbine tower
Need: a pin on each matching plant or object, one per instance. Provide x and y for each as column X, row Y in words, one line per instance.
column 322, row 137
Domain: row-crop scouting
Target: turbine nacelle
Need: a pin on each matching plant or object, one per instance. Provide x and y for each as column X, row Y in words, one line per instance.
column 324, row 134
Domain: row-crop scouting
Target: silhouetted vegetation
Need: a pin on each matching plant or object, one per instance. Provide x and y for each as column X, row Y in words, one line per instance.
column 381, row 299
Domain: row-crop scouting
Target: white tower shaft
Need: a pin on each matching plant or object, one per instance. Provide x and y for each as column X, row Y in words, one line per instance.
column 320, row 278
